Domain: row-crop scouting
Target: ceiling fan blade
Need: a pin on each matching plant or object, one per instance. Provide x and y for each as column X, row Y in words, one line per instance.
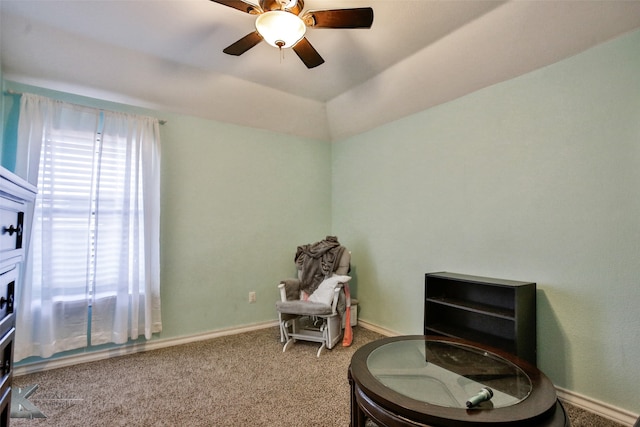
column 307, row 53
column 340, row 18
column 240, row 5
column 244, row 44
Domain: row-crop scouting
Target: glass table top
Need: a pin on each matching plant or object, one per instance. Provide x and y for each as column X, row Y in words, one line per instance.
column 448, row 374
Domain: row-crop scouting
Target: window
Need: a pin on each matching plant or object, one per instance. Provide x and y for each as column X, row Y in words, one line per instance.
column 94, row 252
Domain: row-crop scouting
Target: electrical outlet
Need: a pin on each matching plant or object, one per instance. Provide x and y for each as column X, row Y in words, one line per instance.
column 252, row 296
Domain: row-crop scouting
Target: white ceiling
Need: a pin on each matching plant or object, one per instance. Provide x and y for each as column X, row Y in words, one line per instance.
column 167, row 54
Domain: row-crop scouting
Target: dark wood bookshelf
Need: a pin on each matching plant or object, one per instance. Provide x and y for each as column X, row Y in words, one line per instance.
column 495, row 312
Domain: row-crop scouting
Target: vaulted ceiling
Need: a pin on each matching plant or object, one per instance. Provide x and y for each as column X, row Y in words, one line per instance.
column 167, row 55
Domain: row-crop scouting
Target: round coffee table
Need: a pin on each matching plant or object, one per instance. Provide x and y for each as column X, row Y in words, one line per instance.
column 437, row 381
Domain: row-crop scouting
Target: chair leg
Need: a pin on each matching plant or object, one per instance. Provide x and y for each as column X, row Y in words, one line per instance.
column 287, row 344
column 284, row 333
column 282, row 339
column 322, row 347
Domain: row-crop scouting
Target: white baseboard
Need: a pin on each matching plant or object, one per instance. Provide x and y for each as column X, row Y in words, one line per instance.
column 45, row 365
column 605, row 410
column 379, row 329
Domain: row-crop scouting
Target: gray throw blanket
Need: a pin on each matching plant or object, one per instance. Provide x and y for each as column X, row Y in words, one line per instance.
column 317, row 261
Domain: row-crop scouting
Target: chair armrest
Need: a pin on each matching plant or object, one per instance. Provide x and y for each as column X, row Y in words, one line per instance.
column 336, row 297
column 289, row 289
column 283, row 292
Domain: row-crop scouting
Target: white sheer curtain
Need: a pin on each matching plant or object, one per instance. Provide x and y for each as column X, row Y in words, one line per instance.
column 95, row 239
column 126, row 290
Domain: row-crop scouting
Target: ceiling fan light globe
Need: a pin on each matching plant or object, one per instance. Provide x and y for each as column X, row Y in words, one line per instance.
column 280, row 29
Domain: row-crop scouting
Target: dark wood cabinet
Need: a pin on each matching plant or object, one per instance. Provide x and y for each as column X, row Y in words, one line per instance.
column 495, row 312
column 16, row 201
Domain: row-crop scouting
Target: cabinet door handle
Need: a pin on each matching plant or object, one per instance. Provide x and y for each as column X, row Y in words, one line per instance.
column 11, row 229
column 8, row 301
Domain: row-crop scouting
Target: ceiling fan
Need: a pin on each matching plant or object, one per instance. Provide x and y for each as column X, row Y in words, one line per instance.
column 281, row 24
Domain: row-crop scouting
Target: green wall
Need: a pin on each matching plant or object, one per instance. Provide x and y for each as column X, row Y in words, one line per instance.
column 1, row 101
column 1, row 105
column 236, row 204
column 1, row 120
column 533, row 179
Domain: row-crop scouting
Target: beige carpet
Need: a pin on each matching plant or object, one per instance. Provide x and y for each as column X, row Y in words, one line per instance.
column 239, row 380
